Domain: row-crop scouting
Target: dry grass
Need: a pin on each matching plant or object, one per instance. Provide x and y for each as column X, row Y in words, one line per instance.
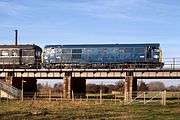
column 82, row 110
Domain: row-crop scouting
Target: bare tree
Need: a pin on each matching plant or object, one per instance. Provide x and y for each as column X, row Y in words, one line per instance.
column 110, row 88
column 178, row 87
column 39, row 86
column 92, row 88
column 172, row 88
column 142, row 86
column 156, row 86
column 119, row 86
column 58, row 87
column 43, row 87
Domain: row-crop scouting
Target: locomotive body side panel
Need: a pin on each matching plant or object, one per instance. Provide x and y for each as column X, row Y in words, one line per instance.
column 102, row 54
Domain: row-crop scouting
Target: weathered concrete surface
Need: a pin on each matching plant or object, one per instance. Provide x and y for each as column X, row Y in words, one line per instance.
column 75, row 85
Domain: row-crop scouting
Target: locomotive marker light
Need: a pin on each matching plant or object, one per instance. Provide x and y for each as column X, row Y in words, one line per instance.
column 156, row 56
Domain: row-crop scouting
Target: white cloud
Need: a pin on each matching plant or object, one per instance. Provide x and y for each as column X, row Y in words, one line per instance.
column 11, row 9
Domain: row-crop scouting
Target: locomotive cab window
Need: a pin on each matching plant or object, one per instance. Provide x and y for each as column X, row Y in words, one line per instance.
column 149, row 52
column 155, row 49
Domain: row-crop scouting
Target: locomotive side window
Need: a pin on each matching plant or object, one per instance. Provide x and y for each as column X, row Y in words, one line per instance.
column 4, row 53
column 76, row 53
column 66, row 51
column 27, row 52
column 58, row 51
column 9, row 53
column 52, row 51
column 47, row 50
column 139, row 50
column 129, row 50
column 76, row 50
column 121, row 50
column 15, row 53
column 76, row 56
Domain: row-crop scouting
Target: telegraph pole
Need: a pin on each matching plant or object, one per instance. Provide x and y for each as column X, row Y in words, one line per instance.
column 16, row 36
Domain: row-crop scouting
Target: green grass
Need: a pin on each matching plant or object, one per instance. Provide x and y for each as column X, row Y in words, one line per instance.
column 82, row 110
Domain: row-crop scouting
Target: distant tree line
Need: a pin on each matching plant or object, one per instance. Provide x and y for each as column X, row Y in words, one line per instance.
column 118, row 86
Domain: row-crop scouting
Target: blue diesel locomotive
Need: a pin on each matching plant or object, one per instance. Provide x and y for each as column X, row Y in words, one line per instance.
column 103, row 56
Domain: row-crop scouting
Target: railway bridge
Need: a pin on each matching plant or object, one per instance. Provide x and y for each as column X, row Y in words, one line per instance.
column 75, row 79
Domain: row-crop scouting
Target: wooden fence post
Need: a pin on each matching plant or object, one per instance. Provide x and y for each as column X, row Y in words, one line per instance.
column 50, row 94
column 115, row 98
column 87, row 97
column 164, row 97
column 100, row 96
column 61, row 96
column 35, row 96
column 72, row 95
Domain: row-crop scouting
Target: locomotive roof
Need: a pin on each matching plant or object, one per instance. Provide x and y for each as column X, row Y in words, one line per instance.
column 20, row 46
column 102, row 45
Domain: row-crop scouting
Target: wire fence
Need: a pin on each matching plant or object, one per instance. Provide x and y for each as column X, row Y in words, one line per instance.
column 140, row 98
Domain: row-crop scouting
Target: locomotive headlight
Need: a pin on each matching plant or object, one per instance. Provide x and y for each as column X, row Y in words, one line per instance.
column 156, row 56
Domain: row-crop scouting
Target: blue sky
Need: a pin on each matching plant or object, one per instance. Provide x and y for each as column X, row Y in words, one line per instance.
column 92, row 21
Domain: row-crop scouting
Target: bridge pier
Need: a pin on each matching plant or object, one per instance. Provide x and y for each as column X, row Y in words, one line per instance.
column 130, row 86
column 9, row 78
column 67, row 87
column 77, row 85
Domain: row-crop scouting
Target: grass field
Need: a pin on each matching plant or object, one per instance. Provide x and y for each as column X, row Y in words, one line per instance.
column 82, row 110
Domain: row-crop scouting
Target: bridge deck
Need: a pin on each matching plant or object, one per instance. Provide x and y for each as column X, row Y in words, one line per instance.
column 92, row 73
